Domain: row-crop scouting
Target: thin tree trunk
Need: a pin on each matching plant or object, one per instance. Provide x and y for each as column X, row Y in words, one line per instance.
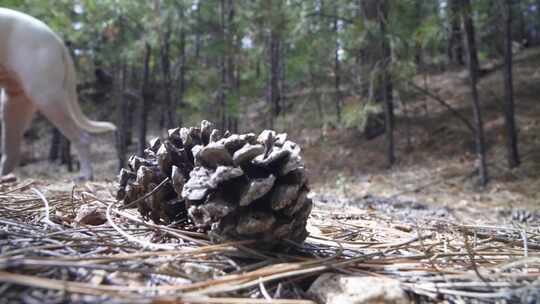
column 129, row 103
column 198, row 33
column 222, row 93
column 170, row 107
column 143, row 109
column 182, row 71
column 417, row 44
column 314, row 95
column 473, row 71
column 122, row 116
column 337, row 72
column 455, row 40
column 511, row 136
column 232, row 82
column 182, row 86
column 274, row 93
column 387, row 85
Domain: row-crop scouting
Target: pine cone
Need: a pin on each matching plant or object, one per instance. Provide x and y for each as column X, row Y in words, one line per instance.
column 233, row 186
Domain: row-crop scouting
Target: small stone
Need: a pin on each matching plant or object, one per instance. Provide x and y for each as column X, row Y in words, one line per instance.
column 256, row 189
column 247, row 153
column 333, row 288
column 91, row 214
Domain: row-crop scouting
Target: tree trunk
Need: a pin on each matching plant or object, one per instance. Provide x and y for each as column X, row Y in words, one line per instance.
column 122, row 116
column 182, row 72
column 129, row 104
column 170, row 106
column 370, row 54
column 222, row 92
column 473, row 71
column 417, row 45
column 232, row 82
column 387, row 84
column 198, row 32
column 337, row 72
column 455, row 39
column 143, row 109
column 274, row 94
column 511, row 135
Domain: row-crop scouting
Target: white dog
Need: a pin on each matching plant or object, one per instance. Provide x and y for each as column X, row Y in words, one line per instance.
column 37, row 73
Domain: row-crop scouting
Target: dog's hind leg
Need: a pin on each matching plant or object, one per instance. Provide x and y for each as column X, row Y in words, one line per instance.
column 59, row 115
column 17, row 113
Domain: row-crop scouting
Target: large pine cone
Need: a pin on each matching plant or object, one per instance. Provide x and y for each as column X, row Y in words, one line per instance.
column 232, row 186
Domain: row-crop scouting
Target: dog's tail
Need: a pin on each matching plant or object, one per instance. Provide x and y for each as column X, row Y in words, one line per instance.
column 70, row 86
